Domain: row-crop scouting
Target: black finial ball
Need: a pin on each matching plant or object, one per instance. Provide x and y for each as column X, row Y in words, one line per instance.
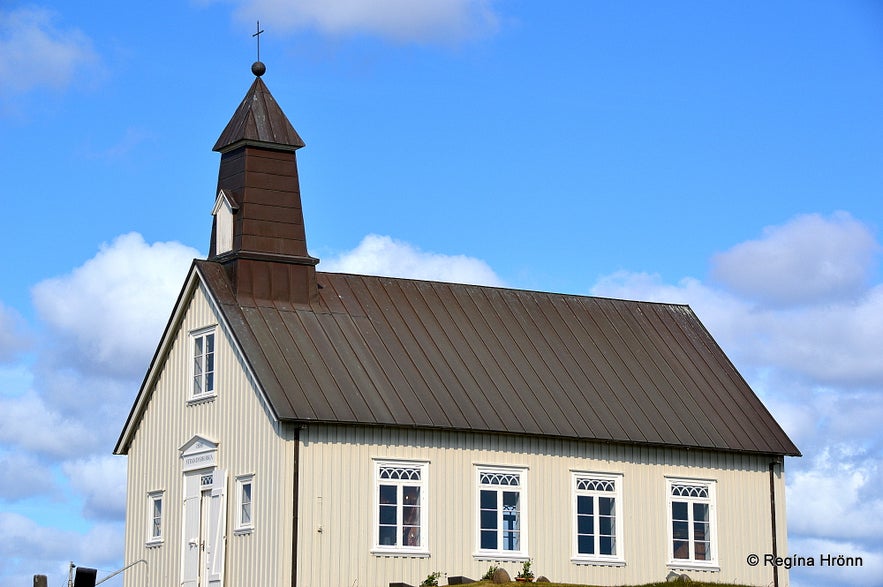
column 258, row 68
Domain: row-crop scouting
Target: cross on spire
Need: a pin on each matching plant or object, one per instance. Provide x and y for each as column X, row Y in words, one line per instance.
column 258, row 35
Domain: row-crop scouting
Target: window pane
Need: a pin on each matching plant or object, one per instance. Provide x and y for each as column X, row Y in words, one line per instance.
column 388, row 494
column 488, row 519
column 511, row 518
column 605, row 525
column 700, row 512
column 700, row 531
column 681, row 549
column 680, row 530
column 585, row 544
column 198, row 346
column 210, row 382
column 510, row 500
column 411, row 495
column 585, row 525
column 488, row 500
column 607, row 545
column 605, row 506
column 246, row 513
column 584, row 504
column 156, row 525
column 411, row 536
column 411, row 515
column 703, row 551
column 511, row 540
column 679, row 510
column 489, row 539
column 388, row 514
column 387, row 536
column 209, row 343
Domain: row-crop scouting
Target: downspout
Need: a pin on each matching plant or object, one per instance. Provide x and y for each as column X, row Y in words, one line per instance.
column 296, row 507
column 775, row 552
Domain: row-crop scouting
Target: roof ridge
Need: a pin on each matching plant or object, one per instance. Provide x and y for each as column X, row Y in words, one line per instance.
column 504, row 288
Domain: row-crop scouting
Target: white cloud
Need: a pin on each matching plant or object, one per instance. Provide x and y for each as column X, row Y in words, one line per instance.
column 809, row 259
column 13, row 336
column 27, row 548
column 109, row 312
column 31, row 478
column 36, row 52
column 426, row 21
column 866, row 574
column 383, row 255
column 833, row 497
column 102, row 482
column 28, row 423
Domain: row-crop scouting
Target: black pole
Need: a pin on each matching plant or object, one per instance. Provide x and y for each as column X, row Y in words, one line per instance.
column 773, row 518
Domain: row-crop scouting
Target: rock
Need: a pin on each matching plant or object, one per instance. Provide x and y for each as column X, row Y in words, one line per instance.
column 500, row 576
column 543, row 579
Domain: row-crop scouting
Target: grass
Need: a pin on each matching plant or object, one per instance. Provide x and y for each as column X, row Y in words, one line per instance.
column 660, row 584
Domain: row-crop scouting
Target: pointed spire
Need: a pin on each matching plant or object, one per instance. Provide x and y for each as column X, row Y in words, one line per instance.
column 259, row 121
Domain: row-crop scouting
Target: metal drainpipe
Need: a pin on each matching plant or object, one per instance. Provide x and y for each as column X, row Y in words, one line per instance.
column 773, row 518
column 295, row 515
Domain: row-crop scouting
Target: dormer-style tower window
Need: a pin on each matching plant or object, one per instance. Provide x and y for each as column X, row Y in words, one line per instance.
column 225, row 208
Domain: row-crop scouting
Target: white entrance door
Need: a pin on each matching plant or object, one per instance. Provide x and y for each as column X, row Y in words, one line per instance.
column 205, row 523
column 205, row 501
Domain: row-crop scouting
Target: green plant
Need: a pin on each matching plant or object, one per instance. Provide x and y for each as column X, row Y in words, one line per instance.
column 490, row 573
column 525, row 573
column 431, row 580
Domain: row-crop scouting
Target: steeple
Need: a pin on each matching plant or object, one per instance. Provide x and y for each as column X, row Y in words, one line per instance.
column 258, row 230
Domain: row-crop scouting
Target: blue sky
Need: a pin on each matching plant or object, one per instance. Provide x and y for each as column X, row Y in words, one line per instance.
column 728, row 155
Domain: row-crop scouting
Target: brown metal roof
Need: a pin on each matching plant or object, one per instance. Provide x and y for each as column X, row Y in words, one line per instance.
column 259, row 119
column 386, row 351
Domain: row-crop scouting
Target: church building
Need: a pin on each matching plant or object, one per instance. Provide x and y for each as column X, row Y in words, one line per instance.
column 297, row 428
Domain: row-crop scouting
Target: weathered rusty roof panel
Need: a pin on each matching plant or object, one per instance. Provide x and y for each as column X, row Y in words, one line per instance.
column 386, row 351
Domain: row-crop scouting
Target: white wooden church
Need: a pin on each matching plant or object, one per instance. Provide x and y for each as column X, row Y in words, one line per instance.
column 297, row 428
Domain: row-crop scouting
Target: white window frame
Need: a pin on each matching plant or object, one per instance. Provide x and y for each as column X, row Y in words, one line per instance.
column 156, row 524
column 243, row 526
column 589, row 484
column 484, row 475
column 223, row 213
column 692, row 491
column 401, row 474
column 199, row 373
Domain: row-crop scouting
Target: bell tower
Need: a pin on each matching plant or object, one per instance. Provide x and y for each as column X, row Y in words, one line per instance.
column 258, row 229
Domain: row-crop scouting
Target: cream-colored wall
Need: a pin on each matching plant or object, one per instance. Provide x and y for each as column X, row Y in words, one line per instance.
column 336, row 513
column 249, row 442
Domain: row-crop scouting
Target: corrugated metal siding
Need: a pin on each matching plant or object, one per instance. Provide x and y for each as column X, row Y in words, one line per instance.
column 337, row 497
column 403, row 352
column 250, row 442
